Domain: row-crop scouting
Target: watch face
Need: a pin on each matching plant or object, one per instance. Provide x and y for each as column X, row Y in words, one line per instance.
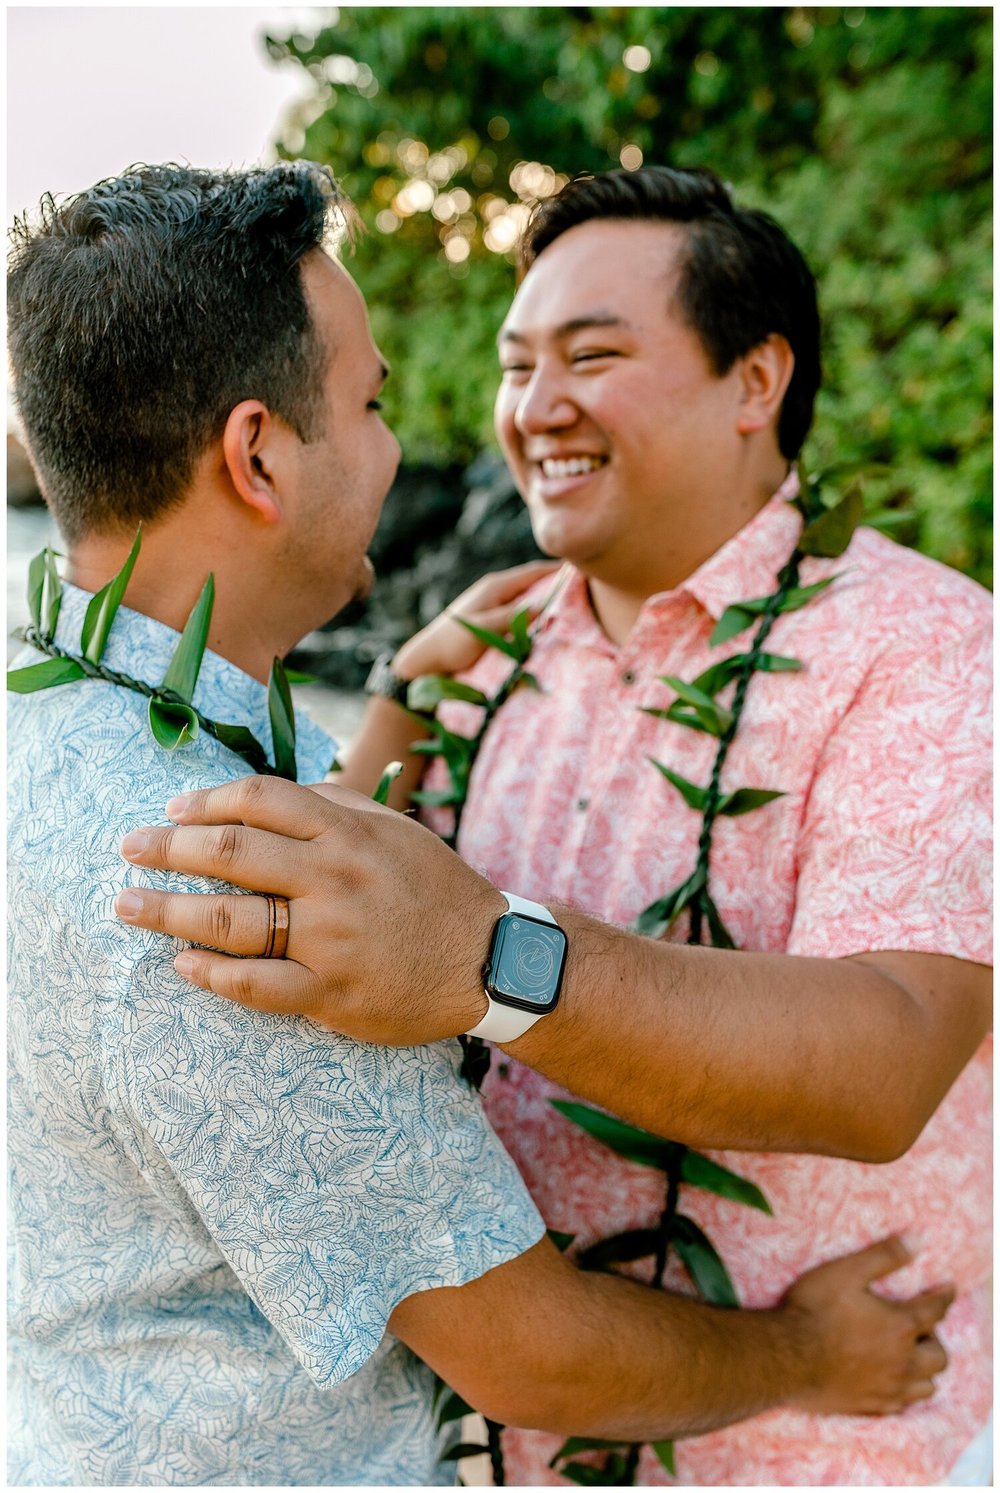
column 526, row 962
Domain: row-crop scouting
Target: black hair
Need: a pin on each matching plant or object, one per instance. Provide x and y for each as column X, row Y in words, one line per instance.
column 742, row 278
column 141, row 311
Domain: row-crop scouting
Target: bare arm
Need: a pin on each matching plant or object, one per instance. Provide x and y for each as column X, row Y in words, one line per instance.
column 387, row 731
column 716, row 1048
column 595, row 1355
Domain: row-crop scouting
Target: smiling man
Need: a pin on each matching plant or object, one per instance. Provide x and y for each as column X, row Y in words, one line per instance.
column 660, row 362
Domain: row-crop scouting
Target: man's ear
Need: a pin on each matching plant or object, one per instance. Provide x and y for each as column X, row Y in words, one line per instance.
column 252, row 447
column 766, row 373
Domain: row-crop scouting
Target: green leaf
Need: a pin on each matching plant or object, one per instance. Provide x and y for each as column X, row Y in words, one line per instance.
column 49, row 672
column 282, row 713
column 830, row 534
column 724, row 672
column 491, row 639
column 296, row 676
column 743, row 800
column 103, row 607
column 715, row 718
column 182, row 673
column 625, row 1140
column 463, row 1449
column 426, row 693
column 425, row 748
column 701, row 1259
column 455, row 749
column 735, row 618
column 437, row 798
column 561, row 1241
column 44, row 591
column 577, row 1444
column 699, row 1171
column 453, row 1407
column 721, row 936
column 385, row 782
column 665, row 1451
column 633, row 1244
column 172, row 724
column 529, row 681
column 595, row 1477
column 519, row 633
column 693, row 796
column 243, row 742
column 659, row 916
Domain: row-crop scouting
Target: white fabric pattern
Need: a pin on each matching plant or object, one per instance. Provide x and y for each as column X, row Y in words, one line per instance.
column 213, row 1211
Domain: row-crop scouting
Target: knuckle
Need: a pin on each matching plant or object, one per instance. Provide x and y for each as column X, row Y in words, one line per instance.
column 250, row 792
column 241, row 986
column 224, row 843
column 220, row 921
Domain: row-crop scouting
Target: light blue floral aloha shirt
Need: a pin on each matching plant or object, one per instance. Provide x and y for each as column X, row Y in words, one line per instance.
column 213, row 1212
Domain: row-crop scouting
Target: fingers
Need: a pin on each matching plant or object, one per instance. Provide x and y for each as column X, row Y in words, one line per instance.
column 239, row 925
column 930, row 1357
column 266, row 803
column 505, row 585
column 927, row 1309
column 885, row 1256
column 228, row 852
column 276, row 985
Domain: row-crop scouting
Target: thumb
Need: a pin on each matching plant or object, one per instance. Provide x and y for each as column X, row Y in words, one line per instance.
column 886, row 1256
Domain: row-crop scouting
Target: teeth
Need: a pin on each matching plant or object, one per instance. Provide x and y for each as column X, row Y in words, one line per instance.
column 573, row 466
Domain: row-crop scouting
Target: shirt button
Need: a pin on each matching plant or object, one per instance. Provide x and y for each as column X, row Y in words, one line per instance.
column 628, row 677
column 583, row 803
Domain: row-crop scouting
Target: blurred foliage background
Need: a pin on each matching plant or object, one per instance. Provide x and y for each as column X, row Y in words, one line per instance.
column 866, row 132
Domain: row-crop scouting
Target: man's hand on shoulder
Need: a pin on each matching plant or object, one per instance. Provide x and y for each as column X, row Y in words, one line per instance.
column 377, row 904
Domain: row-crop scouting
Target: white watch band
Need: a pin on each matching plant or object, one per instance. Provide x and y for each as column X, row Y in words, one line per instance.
column 505, row 1023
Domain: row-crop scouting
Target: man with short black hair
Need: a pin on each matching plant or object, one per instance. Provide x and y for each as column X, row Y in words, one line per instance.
column 750, row 729
column 226, row 1231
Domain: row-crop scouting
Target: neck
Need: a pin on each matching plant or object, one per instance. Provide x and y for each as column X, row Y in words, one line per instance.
column 169, row 574
column 662, row 562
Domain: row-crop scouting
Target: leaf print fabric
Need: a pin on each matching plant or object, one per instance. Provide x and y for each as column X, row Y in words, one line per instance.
column 881, row 744
column 213, row 1211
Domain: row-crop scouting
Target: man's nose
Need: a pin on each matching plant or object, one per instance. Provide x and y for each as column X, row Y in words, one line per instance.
column 545, row 404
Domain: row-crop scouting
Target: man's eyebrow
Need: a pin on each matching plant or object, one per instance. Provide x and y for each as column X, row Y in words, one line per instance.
column 575, row 324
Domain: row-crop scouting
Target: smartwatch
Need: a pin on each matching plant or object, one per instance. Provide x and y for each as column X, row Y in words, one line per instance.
column 524, row 970
column 384, row 682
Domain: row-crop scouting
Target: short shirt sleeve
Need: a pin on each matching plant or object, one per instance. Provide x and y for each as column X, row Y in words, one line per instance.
column 336, row 1177
column 895, row 846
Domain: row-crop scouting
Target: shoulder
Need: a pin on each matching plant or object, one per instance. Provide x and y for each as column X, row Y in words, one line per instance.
column 889, row 601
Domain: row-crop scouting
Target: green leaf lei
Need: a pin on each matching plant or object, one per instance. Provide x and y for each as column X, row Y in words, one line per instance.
column 827, row 532
column 173, row 719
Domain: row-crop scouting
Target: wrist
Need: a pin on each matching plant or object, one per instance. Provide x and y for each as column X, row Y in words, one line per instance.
column 800, row 1354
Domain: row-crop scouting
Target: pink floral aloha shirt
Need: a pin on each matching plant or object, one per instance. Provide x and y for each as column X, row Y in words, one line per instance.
column 881, row 745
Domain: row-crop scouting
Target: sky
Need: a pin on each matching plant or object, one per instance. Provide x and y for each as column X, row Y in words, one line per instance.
column 92, row 89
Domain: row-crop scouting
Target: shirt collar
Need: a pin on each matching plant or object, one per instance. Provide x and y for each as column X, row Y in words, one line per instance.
column 142, row 648
column 745, row 566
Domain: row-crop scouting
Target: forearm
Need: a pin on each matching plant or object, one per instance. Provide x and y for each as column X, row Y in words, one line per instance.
column 674, row 1368
column 748, row 1051
column 385, row 735
column 596, row 1355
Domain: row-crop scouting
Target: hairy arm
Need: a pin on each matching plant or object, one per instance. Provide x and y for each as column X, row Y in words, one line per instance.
column 762, row 1052
column 596, row 1355
column 717, row 1048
